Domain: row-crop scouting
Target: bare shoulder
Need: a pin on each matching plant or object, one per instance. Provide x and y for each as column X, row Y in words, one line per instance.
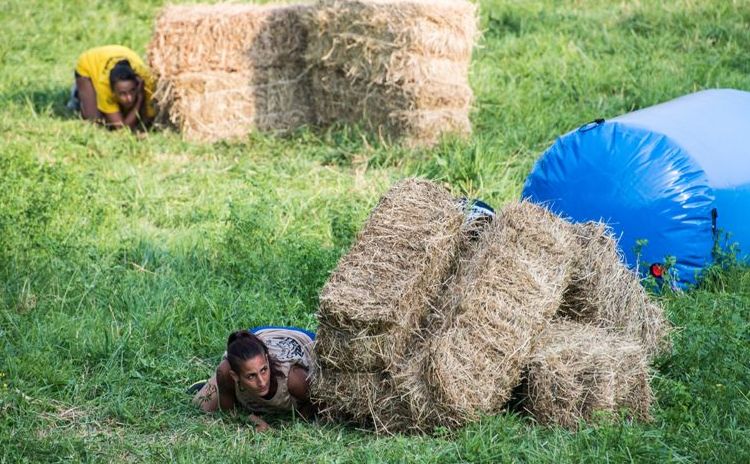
column 223, row 367
column 222, row 374
column 298, row 382
column 226, row 386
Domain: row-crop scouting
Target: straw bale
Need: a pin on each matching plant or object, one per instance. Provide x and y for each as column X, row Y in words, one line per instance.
column 577, row 370
column 357, row 34
column 398, row 68
column 425, row 128
column 226, row 70
column 397, row 265
column 359, row 351
column 505, row 297
column 367, row 399
column 605, row 292
column 426, row 411
column 209, row 106
column 227, row 37
column 388, row 403
column 403, row 69
column 419, row 113
column 339, row 98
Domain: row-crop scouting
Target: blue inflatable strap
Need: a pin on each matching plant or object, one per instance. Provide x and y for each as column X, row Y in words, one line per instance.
column 255, row 330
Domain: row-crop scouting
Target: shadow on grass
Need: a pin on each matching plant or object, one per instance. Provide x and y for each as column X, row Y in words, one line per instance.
column 50, row 101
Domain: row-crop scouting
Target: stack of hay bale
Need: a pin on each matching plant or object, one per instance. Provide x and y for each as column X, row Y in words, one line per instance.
column 225, row 70
column 399, row 67
column 501, row 300
column 423, row 327
column 374, row 302
column 594, row 357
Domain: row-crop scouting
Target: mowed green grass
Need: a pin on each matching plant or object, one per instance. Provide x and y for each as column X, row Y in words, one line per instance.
column 125, row 263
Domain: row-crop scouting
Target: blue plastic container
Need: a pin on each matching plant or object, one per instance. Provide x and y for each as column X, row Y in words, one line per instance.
column 675, row 174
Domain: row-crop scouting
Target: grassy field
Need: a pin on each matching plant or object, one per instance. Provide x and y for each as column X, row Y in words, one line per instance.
column 124, row 263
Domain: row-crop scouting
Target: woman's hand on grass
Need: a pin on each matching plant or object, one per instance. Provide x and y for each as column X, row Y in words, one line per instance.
column 260, row 425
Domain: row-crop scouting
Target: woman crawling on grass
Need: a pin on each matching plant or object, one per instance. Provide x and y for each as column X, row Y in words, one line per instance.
column 113, row 87
column 264, row 370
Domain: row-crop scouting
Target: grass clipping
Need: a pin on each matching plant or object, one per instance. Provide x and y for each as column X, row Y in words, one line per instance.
column 577, row 372
column 225, row 70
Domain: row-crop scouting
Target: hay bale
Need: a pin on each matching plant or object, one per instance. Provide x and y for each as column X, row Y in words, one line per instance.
column 426, row 127
column 401, row 257
column 359, row 351
column 369, row 38
column 227, row 37
column 212, row 106
column 606, row 293
column 387, row 403
column 424, row 408
column 505, row 296
column 399, row 68
column 375, row 303
column 418, row 114
column 366, row 399
column 577, row 370
column 404, row 64
column 226, row 70
column 337, row 98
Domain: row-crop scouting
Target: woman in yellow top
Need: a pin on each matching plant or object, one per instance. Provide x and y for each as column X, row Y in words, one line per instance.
column 113, row 87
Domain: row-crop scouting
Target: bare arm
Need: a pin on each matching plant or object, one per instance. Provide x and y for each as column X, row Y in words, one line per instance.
column 260, row 424
column 117, row 121
column 226, row 386
column 87, row 96
column 298, row 384
column 143, row 109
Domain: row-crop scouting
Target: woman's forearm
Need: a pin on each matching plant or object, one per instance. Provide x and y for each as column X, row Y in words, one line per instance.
column 131, row 119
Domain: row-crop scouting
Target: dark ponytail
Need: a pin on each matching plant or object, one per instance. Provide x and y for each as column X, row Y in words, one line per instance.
column 122, row 71
column 243, row 345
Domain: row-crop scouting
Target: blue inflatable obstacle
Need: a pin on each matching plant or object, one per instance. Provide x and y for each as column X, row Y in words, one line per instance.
column 675, row 174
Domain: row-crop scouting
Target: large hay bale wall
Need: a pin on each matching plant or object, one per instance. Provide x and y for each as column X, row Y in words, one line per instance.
column 392, row 274
column 431, row 322
column 225, row 70
column 375, row 303
column 397, row 67
column 606, row 293
column 505, row 297
column 577, row 370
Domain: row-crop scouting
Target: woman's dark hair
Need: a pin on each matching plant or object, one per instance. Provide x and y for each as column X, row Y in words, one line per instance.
column 243, row 345
column 122, row 71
